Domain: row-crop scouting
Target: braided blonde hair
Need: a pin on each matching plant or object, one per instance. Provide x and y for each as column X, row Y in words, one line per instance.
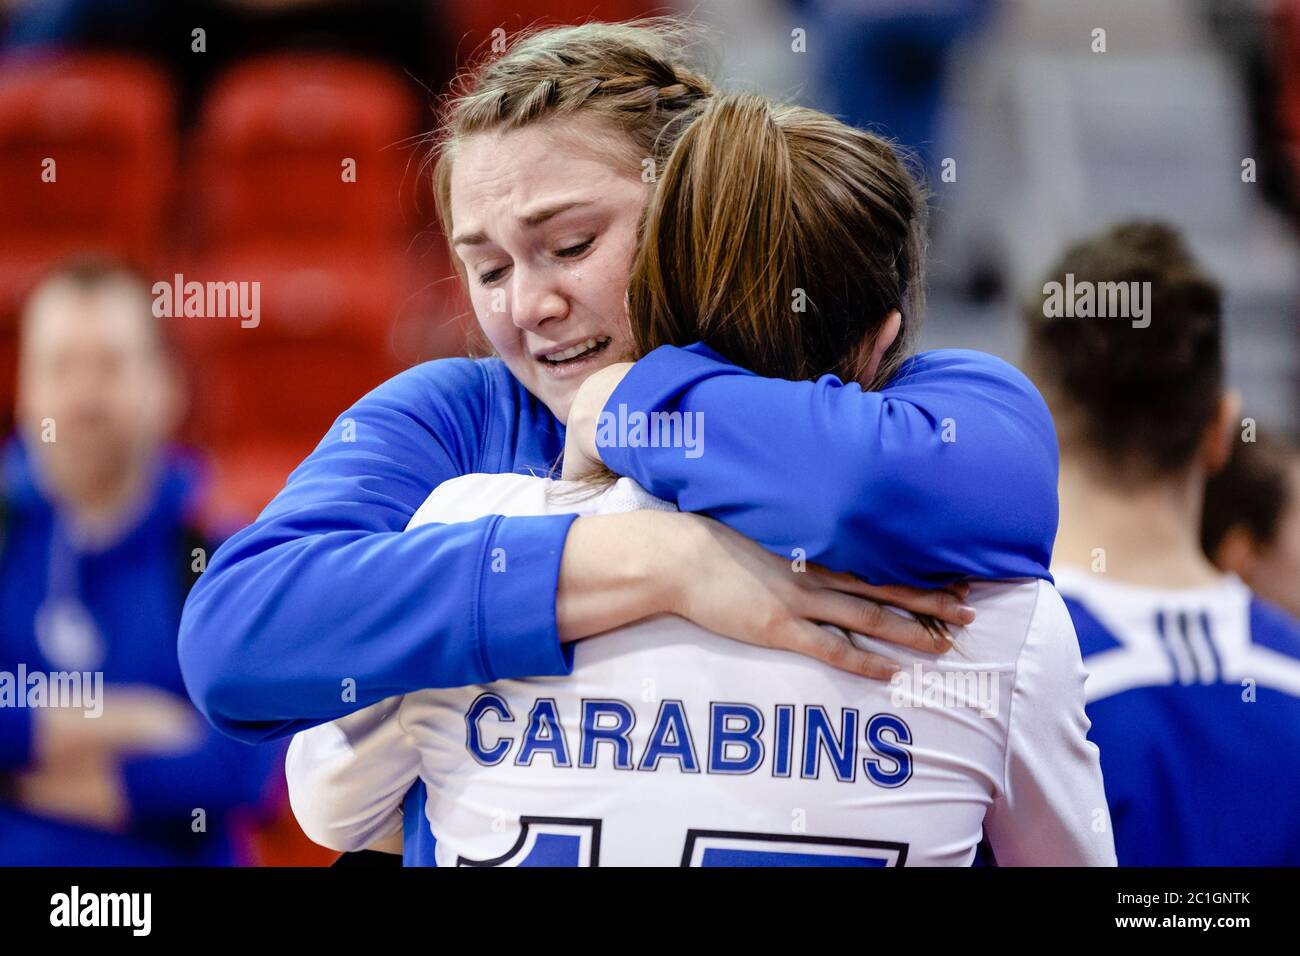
column 631, row 77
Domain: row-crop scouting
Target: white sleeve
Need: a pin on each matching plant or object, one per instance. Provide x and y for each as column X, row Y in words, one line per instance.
column 469, row 497
column 347, row 778
column 1052, row 807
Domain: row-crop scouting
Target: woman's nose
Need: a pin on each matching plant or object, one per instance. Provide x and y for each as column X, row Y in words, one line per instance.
column 536, row 300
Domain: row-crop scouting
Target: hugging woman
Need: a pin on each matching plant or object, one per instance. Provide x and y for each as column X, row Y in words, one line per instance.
column 323, row 605
column 670, row 744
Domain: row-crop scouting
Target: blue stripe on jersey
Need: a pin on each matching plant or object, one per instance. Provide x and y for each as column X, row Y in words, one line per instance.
column 1271, row 627
column 1093, row 636
column 1162, row 631
column 1208, row 631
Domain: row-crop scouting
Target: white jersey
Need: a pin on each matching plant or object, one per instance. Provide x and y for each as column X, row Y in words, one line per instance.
column 671, row 745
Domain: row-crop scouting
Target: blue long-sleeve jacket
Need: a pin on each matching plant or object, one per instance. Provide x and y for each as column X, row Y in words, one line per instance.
column 132, row 592
column 949, row 471
column 324, row 604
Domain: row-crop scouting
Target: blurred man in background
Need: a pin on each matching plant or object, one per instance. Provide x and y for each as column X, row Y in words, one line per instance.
column 1251, row 525
column 98, row 549
column 1193, row 682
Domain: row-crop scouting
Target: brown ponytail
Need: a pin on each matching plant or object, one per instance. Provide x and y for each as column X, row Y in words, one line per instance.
column 783, row 238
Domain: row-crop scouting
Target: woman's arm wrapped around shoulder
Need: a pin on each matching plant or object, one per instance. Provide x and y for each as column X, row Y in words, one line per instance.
column 948, row 472
column 325, row 604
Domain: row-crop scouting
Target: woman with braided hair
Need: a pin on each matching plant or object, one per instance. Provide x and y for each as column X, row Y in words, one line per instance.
column 323, row 605
column 669, row 744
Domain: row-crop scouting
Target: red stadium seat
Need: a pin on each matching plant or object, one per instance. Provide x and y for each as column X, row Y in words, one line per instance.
column 274, row 137
column 247, row 474
column 322, row 339
column 263, row 395
column 8, row 378
column 472, row 23
column 106, row 122
column 263, row 401
column 1286, row 43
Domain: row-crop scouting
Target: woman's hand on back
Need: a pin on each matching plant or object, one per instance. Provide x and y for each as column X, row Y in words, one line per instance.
column 621, row 568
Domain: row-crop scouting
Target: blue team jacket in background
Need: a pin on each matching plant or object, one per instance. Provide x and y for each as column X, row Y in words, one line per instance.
column 133, row 591
column 1202, row 759
column 325, row 604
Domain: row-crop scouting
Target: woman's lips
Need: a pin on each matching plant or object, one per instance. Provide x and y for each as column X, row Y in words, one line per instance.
column 591, row 343
column 579, row 365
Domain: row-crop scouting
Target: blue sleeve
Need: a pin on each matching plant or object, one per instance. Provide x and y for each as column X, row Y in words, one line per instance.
column 217, row 776
column 17, row 730
column 950, row 471
column 15, row 738
column 324, row 605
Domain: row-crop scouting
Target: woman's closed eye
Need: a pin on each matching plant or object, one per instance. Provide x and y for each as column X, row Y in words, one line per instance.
column 567, row 252
column 487, row 278
column 572, row 252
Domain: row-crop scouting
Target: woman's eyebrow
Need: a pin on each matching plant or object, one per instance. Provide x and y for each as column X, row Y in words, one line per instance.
column 531, row 220
column 550, row 212
column 469, row 239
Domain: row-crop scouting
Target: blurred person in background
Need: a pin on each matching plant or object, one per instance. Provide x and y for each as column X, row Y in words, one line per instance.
column 1251, row 523
column 886, row 61
column 1194, row 682
column 98, row 549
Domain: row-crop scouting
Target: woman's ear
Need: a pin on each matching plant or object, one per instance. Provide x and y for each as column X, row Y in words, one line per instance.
column 1237, row 552
column 880, row 345
column 1221, row 434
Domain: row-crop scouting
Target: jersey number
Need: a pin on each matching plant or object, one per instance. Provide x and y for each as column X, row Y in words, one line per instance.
column 567, row 841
